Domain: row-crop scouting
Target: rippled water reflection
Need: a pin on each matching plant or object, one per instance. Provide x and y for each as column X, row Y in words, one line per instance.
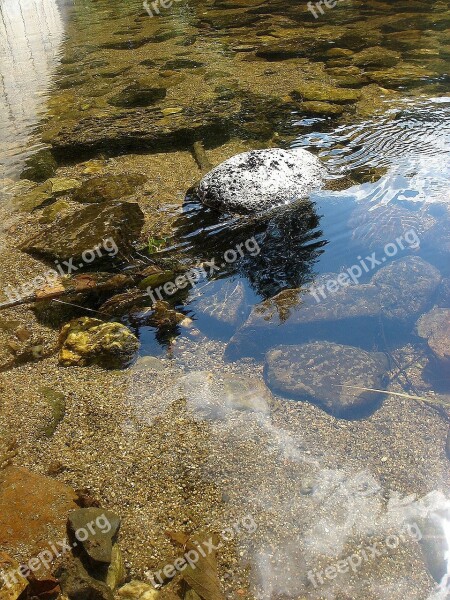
column 31, row 34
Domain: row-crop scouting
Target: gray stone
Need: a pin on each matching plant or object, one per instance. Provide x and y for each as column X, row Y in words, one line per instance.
column 434, row 543
column 101, row 527
column 316, row 372
column 259, row 180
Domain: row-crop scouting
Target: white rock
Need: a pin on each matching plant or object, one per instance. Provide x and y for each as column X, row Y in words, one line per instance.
column 259, row 180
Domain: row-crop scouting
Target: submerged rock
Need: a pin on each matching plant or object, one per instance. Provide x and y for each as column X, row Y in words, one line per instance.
column 108, row 188
column 77, row 583
column 259, row 180
column 337, row 306
column 405, row 287
column 72, row 235
column 316, row 372
column 86, row 341
column 102, row 527
column 9, row 572
column 33, row 512
column 138, row 590
column 227, row 305
column 434, row 326
column 138, row 94
column 434, row 543
column 40, row 166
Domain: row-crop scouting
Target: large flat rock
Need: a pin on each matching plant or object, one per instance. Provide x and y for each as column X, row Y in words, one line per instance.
column 327, row 374
column 33, row 512
column 398, row 293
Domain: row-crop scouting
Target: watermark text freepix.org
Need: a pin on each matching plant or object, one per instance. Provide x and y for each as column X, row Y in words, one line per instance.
column 205, row 269
column 67, row 267
column 316, row 8
column 408, row 240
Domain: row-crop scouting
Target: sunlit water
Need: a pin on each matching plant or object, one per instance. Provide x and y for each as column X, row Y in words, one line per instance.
column 31, row 33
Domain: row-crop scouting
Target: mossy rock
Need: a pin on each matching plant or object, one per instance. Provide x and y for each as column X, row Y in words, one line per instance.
column 52, row 212
column 104, row 188
column 57, row 402
column 323, row 108
column 40, row 166
column 322, row 92
column 87, row 341
column 376, row 57
column 138, row 94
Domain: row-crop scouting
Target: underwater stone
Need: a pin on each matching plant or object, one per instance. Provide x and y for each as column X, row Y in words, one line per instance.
column 227, row 305
column 40, row 166
column 316, row 372
column 434, row 326
column 102, row 531
column 70, row 236
column 105, row 188
column 259, row 180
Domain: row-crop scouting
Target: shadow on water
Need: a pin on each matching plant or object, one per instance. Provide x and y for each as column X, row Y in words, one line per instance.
column 289, row 243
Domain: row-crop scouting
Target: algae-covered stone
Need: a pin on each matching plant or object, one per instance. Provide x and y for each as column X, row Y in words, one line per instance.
column 323, row 92
column 57, row 403
column 34, row 198
column 40, row 166
column 376, row 57
column 86, row 229
column 53, row 211
column 261, row 179
column 321, row 372
column 87, row 341
column 63, row 185
column 108, row 187
column 323, row 108
column 138, row 94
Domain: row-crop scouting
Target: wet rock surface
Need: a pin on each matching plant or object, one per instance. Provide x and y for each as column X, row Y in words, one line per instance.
column 102, row 527
column 107, row 188
column 86, row 341
column 88, row 227
column 320, row 373
column 434, row 326
column 259, row 180
column 33, row 512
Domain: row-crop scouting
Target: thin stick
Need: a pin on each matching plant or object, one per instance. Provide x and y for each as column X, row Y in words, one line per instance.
column 395, row 394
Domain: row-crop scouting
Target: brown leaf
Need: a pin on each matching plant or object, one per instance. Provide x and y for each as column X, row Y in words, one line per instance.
column 203, row 577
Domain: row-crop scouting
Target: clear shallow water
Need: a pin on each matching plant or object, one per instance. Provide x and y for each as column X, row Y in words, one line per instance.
column 31, row 34
column 391, row 169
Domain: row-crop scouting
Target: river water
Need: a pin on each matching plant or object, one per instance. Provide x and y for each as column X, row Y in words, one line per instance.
column 323, row 294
